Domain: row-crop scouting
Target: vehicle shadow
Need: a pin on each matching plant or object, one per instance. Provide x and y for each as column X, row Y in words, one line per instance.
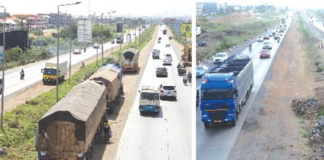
column 219, row 126
column 130, row 73
column 169, row 99
column 153, row 114
column 113, row 116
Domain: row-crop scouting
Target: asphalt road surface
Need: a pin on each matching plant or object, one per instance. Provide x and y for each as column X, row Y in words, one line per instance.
column 168, row 134
column 218, row 141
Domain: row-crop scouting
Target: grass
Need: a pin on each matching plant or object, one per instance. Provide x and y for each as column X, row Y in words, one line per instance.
column 233, row 33
column 20, row 124
column 312, row 53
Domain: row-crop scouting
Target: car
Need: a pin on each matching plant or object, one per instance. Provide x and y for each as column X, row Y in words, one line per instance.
column 201, row 44
column 170, row 38
column 281, row 31
column 159, row 39
column 168, row 55
column 265, row 53
column 161, row 71
column 156, row 53
column 113, row 41
column 266, row 37
column 77, row 51
column 168, row 90
column 201, row 70
column 260, row 39
column 278, row 36
column 167, row 60
column 168, row 45
column 219, row 57
column 96, row 46
column 267, row 45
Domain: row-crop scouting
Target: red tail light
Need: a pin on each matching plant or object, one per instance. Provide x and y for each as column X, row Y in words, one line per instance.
column 161, row 91
column 158, row 107
column 79, row 157
column 174, row 91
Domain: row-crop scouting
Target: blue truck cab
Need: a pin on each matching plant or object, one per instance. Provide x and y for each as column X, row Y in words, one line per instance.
column 225, row 91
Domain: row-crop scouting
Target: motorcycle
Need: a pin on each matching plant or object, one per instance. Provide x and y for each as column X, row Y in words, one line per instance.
column 22, row 76
column 250, row 48
column 189, row 77
column 185, row 82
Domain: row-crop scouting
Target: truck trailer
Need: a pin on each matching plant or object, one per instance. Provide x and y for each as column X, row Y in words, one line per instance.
column 129, row 60
column 225, row 90
column 49, row 72
column 111, row 77
column 67, row 130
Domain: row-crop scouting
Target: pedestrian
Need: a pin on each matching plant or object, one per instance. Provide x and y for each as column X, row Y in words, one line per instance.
column 107, row 131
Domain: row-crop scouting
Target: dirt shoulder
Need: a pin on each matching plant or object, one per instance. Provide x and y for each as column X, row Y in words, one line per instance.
column 272, row 130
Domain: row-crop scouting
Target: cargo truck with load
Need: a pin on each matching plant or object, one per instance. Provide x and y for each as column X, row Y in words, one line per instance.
column 49, row 72
column 225, row 90
column 110, row 75
column 68, row 129
column 129, row 60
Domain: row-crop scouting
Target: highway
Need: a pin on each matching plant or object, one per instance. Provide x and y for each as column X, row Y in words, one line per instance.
column 168, row 134
column 33, row 71
column 218, row 141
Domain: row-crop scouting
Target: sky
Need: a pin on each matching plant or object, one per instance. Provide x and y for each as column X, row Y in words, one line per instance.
column 297, row 4
column 131, row 8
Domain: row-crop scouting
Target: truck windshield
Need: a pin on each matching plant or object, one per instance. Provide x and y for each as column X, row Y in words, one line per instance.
column 149, row 96
column 50, row 71
column 216, row 94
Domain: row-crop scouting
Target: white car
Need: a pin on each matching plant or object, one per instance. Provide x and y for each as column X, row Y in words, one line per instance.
column 201, row 70
column 267, row 45
column 260, row 39
column 168, row 90
column 219, row 57
column 96, row 46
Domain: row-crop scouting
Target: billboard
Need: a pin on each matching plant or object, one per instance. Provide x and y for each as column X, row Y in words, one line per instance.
column 84, row 30
column 186, row 30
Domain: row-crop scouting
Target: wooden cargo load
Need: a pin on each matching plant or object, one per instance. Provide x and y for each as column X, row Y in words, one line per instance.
column 71, row 124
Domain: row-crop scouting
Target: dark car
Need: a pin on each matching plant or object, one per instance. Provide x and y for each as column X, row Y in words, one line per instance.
column 265, row 53
column 161, row 71
column 266, row 38
column 201, row 44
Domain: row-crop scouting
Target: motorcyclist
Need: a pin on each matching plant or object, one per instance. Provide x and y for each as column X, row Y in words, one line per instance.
column 184, row 78
column 250, row 47
column 189, row 76
column 84, row 49
column 22, row 74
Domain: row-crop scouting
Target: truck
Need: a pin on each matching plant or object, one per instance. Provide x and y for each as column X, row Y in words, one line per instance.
column 164, row 31
column 156, row 53
column 110, row 75
column 129, row 60
column 149, row 99
column 120, row 38
column 49, row 72
column 226, row 90
column 67, row 130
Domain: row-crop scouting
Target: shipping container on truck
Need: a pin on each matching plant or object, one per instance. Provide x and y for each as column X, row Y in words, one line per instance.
column 226, row 90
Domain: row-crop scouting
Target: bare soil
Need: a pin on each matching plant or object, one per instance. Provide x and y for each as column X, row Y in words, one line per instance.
column 272, row 130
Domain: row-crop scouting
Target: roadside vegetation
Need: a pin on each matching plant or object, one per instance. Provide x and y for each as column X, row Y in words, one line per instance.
column 178, row 37
column 228, row 31
column 18, row 132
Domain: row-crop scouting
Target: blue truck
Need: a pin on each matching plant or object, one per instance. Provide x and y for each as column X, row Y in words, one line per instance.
column 226, row 90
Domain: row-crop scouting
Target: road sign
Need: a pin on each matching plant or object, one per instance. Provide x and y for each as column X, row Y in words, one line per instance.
column 84, row 30
column 186, row 30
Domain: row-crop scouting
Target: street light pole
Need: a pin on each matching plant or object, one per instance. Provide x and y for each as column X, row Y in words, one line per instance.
column 3, row 64
column 58, row 45
column 70, row 50
column 102, row 46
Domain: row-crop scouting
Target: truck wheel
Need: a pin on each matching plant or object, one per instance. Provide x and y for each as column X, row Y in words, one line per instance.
column 206, row 124
column 44, row 83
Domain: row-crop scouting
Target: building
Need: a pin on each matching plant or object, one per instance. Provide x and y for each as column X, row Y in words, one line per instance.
column 12, row 23
column 206, row 8
column 36, row 23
